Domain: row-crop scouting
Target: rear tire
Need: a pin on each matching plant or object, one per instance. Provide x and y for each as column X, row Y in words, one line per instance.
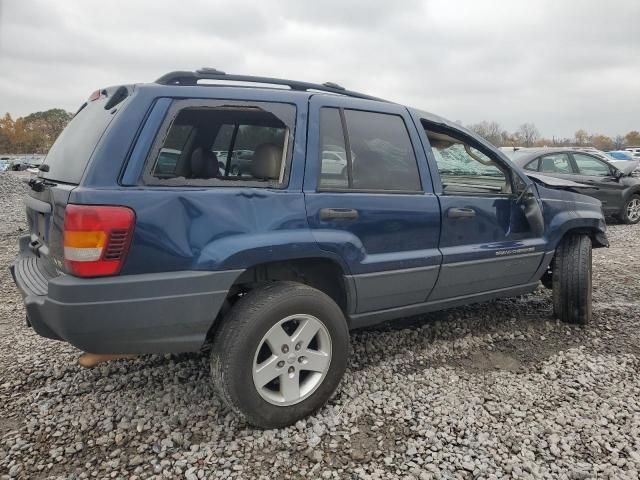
column 264, row 364
column 630, row 213
column 572, row 287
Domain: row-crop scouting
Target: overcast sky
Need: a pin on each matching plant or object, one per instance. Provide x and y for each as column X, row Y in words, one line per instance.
column 563, row 65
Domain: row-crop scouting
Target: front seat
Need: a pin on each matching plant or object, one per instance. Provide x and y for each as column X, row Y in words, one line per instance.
column 266, row 163
column 204, row 164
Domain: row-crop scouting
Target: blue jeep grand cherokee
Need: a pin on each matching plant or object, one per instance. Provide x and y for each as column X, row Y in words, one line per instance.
column 147, row 235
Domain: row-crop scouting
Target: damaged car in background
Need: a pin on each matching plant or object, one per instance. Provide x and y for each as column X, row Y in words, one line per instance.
column 615, row 183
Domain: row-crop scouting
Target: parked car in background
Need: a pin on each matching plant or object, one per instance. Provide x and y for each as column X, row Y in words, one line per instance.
column 334, row 162
column 241, row 163
column 610, row 182
column 620, row 155
column 18, row 165
column 634, row 150
column 25, row 162
column 272, row 269
column 167, row 161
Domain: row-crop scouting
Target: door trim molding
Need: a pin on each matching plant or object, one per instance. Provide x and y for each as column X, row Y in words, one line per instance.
column 368, row 319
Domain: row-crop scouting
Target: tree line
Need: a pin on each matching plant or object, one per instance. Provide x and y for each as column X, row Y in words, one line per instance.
column 527, row 135
column 34, row 133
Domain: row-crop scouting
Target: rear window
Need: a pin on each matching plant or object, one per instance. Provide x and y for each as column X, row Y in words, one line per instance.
column 70, row 154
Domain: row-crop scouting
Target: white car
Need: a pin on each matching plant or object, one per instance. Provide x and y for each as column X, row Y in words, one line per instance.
column 334, row 162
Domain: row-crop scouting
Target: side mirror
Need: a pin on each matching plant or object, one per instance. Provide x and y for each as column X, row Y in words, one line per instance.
column 531, row 208
column 525, row 194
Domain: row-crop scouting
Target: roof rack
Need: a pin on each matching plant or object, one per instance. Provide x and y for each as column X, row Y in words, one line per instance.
column 191, row 78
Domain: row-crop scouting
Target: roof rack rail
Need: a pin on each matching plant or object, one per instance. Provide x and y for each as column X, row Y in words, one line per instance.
column 191, row 78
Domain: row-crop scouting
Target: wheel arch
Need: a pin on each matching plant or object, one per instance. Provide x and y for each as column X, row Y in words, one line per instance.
column 322, row 273
column 597, row 236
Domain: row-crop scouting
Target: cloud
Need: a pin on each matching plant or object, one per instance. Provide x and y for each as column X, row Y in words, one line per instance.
column 561, row 65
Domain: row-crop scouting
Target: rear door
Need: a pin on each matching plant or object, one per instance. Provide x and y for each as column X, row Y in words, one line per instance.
column 599, row 175
column 373, row 205
column 59, row 174
column 557, row 164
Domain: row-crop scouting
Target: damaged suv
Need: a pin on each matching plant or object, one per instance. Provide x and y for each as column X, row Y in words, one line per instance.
column 196, row 211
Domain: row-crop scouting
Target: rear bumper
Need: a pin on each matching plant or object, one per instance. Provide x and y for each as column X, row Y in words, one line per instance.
column 148, row 313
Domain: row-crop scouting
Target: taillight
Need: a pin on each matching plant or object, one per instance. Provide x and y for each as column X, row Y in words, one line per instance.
column 96, row 239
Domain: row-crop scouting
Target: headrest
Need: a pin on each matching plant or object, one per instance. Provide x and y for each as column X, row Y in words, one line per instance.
column 204, row 164
column 267, row 159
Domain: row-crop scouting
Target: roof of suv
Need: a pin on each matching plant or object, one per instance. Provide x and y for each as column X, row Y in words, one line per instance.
column 220, row 79
column 188, row 78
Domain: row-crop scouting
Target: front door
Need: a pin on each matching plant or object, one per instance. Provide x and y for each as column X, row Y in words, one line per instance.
column 370, row 201
column 599, row 175
column 487, row 243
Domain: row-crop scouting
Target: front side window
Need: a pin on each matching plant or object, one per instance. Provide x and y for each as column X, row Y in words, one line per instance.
column 226, row 145
column 555, row 163
column 587, row 165
column 466, row 170
column 379, row 156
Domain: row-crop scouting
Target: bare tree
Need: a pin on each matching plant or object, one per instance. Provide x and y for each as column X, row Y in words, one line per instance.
column 602, row 142
column 527, row 134
column 632, row 138
column 490, row 131
column 618, row 142
column 581, row 136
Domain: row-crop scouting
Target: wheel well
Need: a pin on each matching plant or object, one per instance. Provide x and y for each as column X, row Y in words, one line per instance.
column 321, row 273
column 598, row 238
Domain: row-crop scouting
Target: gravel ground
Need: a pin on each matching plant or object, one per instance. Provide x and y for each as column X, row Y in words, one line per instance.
column 487, row 391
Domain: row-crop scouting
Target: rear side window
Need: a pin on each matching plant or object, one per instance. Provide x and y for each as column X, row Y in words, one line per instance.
column 533, row 166
column 70, row 154
column 366, row 151
column 555, row 163
column 228, row 143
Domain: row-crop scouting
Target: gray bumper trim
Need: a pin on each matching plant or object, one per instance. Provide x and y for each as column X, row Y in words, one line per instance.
column 149, row 313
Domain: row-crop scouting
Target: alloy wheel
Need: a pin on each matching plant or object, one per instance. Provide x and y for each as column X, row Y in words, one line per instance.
column 292, row 360
column 633, row 210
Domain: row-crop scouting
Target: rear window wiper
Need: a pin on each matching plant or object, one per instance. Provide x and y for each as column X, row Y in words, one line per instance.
column 38, row 184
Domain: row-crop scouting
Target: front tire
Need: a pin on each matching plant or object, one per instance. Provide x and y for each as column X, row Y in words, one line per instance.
column 280, row 353
column 572, row 286
column 630, row 213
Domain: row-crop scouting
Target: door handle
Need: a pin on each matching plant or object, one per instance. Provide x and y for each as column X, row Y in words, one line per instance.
column 461, row 213
column 338, row 214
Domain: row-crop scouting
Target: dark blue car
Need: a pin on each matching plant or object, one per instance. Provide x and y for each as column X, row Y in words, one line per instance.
column 144, row 240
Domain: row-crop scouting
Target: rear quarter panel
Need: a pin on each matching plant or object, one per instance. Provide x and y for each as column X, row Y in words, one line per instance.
column 200, row 228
